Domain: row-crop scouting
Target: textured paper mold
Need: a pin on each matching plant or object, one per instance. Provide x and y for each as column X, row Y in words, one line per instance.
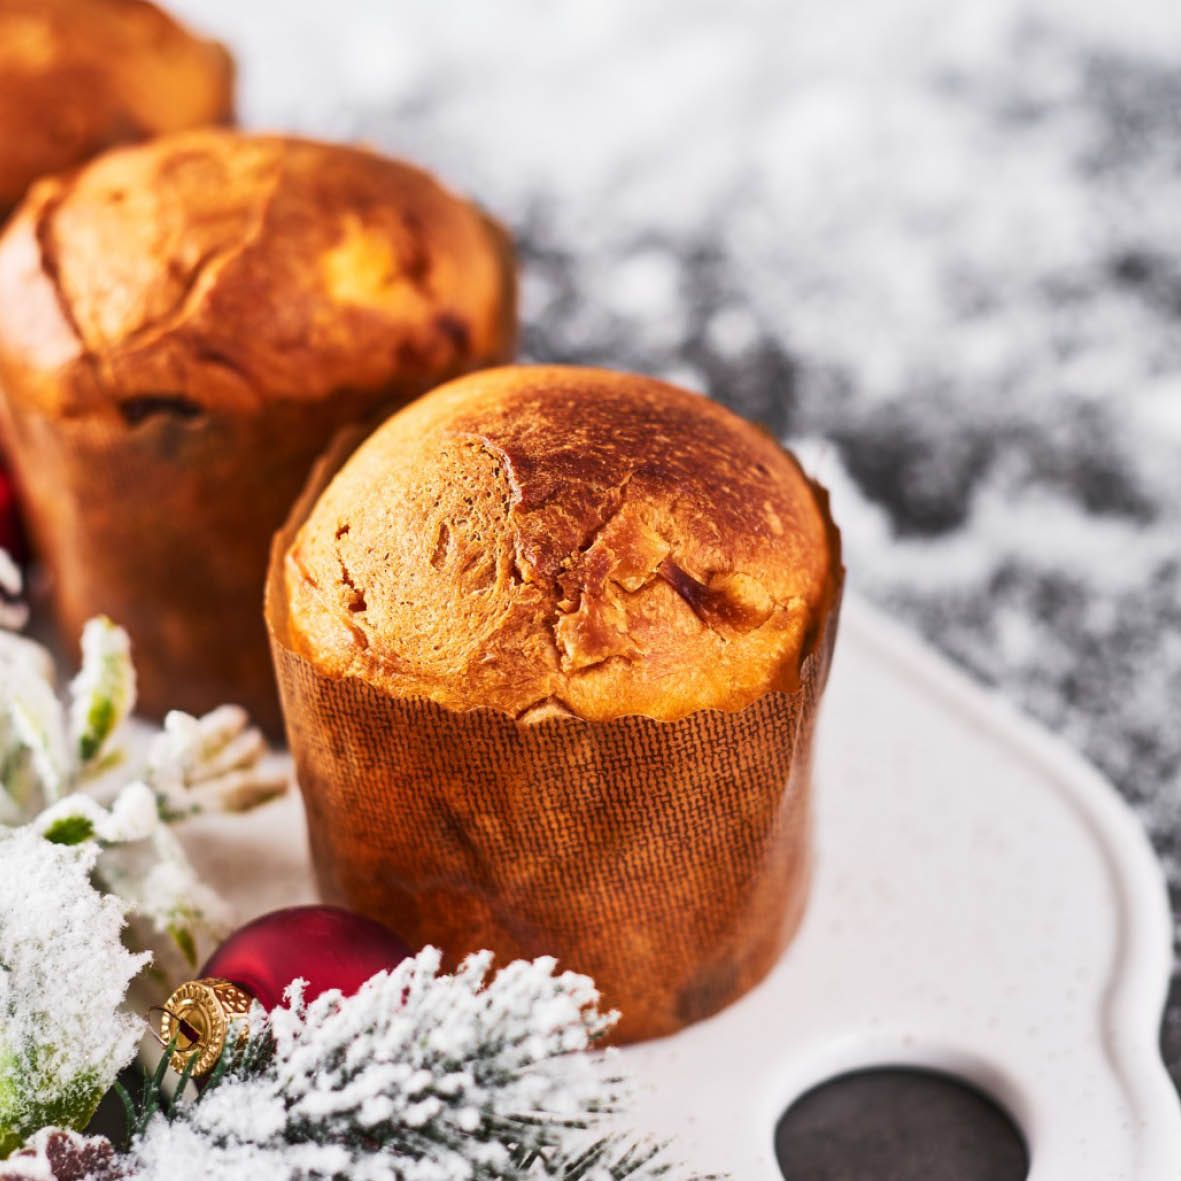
column 669, row 860
column 163, row 527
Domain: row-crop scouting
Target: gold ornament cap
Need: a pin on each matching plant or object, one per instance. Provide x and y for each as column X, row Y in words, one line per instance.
column 198, row 1016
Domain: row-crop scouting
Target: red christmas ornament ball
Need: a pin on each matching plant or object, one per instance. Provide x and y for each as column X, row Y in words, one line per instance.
column 325, row 945
column 11, row 534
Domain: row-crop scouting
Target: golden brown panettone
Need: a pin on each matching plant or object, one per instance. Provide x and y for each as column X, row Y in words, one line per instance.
column 184, row 325
column 560, row 539
column 80, row 76
column 551, row 645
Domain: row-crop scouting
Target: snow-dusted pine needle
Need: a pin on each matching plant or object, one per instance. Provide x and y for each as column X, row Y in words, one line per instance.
column 218, row 762
column 420, row 1076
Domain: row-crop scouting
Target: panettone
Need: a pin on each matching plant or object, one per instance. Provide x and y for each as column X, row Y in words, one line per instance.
column 184, row 325
column 80, row 76
column 551, row 646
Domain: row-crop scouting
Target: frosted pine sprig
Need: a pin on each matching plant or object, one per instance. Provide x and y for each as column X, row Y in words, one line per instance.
column 418, row 1077
column 214, row 763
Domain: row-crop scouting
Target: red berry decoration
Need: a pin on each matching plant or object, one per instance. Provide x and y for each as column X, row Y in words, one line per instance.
column 11, row 534
column 326, row 946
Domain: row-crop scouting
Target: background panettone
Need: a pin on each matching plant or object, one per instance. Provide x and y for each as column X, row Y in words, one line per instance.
column 80, row 76
column 183, row 326
column 558, row 539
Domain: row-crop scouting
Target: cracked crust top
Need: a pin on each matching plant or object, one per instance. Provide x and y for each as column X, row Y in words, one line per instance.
column 547, row 540
column 212, row 270
column 79, row 76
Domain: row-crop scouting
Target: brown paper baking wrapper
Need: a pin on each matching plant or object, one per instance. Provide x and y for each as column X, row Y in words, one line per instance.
column 165, row 525
column 667, row 860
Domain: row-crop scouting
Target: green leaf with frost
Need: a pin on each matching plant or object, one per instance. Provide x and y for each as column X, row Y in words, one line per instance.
column 35, row 724
column 131, row 817
column 103, row 693
column 21, row 1114
column 64, row 974
column 69, row 830
column 54, row 760
column 34, row 760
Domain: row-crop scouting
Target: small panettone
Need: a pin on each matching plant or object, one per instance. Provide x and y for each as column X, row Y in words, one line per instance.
column 80, row 76
column 550, row 646
column 184, row 325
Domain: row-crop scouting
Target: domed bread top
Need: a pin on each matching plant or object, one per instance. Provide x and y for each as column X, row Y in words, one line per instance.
column 215, row 270
column 79, row 76
column 547, row 540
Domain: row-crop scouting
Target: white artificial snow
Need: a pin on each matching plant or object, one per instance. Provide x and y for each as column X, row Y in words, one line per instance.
column 63, row 976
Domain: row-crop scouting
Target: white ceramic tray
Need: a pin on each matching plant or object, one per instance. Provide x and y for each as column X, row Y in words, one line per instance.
column 984, row 904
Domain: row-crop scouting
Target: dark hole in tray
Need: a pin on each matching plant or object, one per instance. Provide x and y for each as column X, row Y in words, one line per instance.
column 898, row 1124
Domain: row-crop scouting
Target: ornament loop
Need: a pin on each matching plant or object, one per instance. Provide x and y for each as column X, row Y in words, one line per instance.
column 197, row 1019
column 185, row 1029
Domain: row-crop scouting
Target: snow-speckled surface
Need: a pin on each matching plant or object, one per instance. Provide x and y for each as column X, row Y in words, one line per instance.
column 937, row 245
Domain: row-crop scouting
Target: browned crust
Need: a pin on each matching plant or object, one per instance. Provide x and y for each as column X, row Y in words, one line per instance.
column 80, row 76
column 222, row 270
column 544, row 540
